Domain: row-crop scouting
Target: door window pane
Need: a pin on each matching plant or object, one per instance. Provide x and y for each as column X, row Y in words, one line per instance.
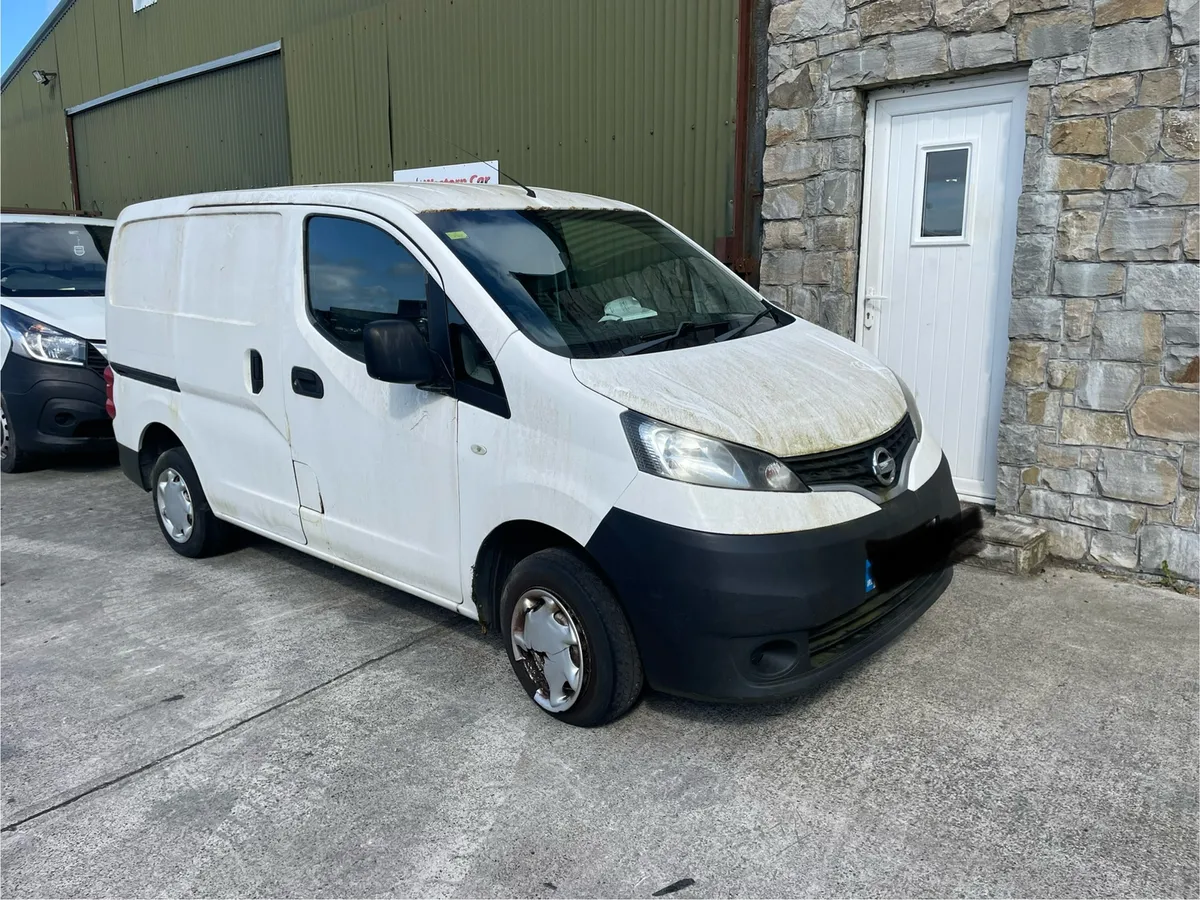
column 945, row 193
column 357, row 274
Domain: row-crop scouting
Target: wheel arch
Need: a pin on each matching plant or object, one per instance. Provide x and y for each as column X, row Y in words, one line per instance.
column 156, row 439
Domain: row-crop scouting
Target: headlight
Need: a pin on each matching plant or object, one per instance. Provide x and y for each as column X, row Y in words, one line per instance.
column 40, row 341
column 682, row 455
column 911, row 401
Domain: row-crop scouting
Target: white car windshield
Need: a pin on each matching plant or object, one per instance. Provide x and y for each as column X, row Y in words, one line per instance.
column 40, row 259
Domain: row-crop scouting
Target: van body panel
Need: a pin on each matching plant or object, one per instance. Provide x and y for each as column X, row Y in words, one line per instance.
column 823, row 392
column 143, row 291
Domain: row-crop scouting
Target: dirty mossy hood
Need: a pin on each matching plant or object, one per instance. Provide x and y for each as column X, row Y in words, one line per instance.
column 794, row 390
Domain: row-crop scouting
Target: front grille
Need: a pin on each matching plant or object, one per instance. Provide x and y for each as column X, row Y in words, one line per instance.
column 852, row 465
column 840, row 635
column 95, row 359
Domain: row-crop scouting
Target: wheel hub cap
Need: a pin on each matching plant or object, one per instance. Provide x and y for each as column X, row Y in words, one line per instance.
column 175, row 505
column 4, row 436
column 546, row 639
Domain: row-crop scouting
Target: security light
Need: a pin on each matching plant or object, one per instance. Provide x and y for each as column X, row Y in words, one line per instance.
column 43, row 77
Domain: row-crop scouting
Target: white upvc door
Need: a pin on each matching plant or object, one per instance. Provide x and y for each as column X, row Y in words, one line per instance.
column 943, row 173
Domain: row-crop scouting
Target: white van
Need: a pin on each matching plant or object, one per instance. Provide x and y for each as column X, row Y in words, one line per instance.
column 52, row 272
column 551, row 412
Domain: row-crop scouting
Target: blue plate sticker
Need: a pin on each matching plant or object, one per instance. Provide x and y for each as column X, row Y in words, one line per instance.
column 870, row 580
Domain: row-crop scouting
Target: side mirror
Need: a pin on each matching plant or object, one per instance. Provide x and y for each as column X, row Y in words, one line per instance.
column 395, row 351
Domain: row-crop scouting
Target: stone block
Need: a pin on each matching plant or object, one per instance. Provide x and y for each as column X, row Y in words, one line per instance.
column 1082, row 279
column 1169, row 184
column 1191, row 467
column 1140, row 477
column 1081, row 426
column 1073, row 67
column 1061, row 374
column 1052, row 34
column 1037, row 110
column 1032, row 263
column 786, row 202
column 1181, row 133
column 1037, row 212
column 1079, row 137
column 1043, row 71
column 1191, row 235
column 1066, row 541
column 786, row 125
column 806, row 18
column 803, row 302
column 1177, row 548
column 1107, row 385
column 1181, row 367
column 789, row 234
column 1043, row 408
column 1190, row 57
column 1077, row 318
column 1109, row 12
column 842, row 120
column 1185, row 21
column 1059, row 457
column 1107, row 515
column 1036, row 317
column 1008, row 486
column 915, row 55
column 1117, row 551
column 1089, row 199
column 1135, row 134
column 1077, row 233
column 1120, row 178
column 834, row 233
column 894, row 16
column 1022, row 7
column 836, row 43
column 1128, row 47
column 1174, row 287
column 1132, row 336
column 980, row 51
column 1182, row 328
column 1166, row 413
column 781, row 57
column 793, row 162
column 1044, row 504
column 1141, row 234
column 846, row 153
column 782, row 266
column 1012, row 404
column 1066, row 174
column 1089, row 458
column 840, row 193
column 1026, row 363
column 792, row 90
column 1095, row 96
column 850, row 68
column 818, row 268
column 972, row 15
column 1163, row 87
column 1067, row 481
column 1017, row 444
column 1185, row 511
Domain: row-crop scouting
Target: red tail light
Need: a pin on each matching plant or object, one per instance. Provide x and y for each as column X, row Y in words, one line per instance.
column 109, row 406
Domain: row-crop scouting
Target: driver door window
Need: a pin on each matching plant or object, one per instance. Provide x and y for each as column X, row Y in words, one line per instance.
column 357, row 273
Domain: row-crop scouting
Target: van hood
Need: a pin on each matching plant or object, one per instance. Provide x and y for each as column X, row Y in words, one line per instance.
column 80, row 316
column 790, row 391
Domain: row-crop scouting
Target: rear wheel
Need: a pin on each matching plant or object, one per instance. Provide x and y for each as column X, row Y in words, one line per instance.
column 568, row 640
column 12, row 457
column 181, row 508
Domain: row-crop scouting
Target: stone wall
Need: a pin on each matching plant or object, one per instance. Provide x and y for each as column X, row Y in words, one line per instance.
column 1098, row 441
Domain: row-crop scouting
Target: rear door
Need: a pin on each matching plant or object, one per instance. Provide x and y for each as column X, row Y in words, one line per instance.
column 376, row 463
column 227, row 363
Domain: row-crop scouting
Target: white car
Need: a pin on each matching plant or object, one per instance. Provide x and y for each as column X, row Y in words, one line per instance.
column 551, row 412
column 52, row 274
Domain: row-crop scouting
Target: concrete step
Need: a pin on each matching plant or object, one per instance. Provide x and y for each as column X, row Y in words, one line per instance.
column 1008, row 546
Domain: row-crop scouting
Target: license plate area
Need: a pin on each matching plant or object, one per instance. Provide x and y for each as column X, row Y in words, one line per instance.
column 921, row 551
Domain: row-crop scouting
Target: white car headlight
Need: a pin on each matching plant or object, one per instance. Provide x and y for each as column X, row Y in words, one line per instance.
column 911, row 401
column 682, row 455
column 37, row 340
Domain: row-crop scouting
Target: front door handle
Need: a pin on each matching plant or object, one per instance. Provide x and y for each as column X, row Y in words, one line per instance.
column 307, row 383
column 871, row 310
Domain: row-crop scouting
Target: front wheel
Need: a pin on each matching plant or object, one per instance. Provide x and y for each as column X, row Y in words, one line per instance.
column 568, row 640
column 12, row 457
column 181, row 508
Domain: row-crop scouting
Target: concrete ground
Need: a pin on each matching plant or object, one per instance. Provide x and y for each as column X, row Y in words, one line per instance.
column 265, row 724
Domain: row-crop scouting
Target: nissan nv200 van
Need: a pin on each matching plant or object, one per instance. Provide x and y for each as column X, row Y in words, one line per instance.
column 549, row 411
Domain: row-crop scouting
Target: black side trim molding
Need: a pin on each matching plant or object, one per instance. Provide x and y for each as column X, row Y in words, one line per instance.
column 142, row 375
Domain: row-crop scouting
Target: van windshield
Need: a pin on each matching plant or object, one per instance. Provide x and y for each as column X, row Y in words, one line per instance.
column 596, row 283
column 40, row 259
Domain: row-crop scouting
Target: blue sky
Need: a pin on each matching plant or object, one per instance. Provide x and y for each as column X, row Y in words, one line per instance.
column 19, row 19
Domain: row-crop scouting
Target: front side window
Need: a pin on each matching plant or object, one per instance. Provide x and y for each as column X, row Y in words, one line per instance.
column 596, row 283
column 357, row 274
column 53, row 259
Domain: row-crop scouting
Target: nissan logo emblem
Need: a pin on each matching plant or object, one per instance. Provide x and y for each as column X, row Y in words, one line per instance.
column 883, row 464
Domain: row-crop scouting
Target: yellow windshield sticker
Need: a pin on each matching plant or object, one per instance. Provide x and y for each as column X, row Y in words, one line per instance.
column 456, row 235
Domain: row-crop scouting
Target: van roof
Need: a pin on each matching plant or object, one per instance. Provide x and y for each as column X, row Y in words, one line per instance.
column 14, row 218
column 419, row 198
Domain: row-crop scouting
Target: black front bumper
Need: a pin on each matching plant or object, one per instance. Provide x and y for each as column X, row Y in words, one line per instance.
column 751, row 617
column 55, row 407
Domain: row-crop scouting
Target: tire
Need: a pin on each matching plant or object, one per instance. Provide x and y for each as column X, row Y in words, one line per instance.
column 578, row 613
column 196, row 532
column 12, row 457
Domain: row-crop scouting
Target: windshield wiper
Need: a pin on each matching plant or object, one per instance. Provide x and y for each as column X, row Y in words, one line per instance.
column 684, row 328
column 742, row 329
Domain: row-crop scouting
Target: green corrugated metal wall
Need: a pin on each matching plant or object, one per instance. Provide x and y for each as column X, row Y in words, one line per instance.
column 226, row 128
column 627, row 98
